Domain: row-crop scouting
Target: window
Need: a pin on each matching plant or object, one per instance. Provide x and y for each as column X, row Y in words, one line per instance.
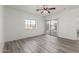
column 30, row 24
column 52, row 24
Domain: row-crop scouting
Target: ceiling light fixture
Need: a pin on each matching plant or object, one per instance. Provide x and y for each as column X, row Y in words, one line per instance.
column 45, row 9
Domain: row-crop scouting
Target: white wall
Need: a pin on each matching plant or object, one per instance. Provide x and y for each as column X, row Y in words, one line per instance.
column 68, row 24
column 78, row 24
column 14, row 24
column 1, row 29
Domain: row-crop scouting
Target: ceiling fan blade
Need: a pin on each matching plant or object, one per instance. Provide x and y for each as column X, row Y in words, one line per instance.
column 42, row 12
column 38, row 9
column 51, row 8
column 48, row 11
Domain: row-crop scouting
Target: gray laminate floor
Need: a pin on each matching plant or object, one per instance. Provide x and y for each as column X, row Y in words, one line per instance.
column 42, row 44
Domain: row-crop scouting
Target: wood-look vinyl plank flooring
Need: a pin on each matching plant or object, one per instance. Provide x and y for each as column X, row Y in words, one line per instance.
column 42, row 44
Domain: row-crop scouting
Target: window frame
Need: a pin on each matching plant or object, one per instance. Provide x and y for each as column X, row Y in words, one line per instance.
column 29, row 25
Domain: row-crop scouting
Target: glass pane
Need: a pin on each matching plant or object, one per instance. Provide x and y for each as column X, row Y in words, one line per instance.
column 30, row 24
column 33, row 22
column 53, row 22
column 27, row 22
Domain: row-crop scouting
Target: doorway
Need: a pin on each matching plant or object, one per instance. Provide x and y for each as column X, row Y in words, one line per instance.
column 52, row 27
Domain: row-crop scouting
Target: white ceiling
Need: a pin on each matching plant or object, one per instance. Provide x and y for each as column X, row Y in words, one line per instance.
column 32, row 8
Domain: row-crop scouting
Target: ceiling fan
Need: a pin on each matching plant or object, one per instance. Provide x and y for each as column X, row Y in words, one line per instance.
column 45, row 9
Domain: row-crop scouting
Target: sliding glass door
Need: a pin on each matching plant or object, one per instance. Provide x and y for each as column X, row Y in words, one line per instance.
column 52, row 27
